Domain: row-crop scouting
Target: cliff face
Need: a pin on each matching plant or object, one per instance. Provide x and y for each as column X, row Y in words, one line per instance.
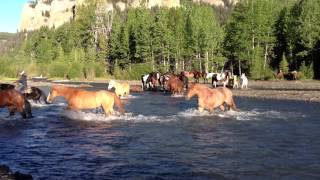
column 47, row 13
column 54, row 13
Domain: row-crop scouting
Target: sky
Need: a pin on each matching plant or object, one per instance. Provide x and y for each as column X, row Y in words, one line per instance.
column 10, row 15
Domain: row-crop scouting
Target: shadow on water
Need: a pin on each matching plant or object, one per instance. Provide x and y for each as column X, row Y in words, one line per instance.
column 164, row 137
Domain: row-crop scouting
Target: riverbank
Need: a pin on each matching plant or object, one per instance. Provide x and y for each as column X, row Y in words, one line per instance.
column 281, row 89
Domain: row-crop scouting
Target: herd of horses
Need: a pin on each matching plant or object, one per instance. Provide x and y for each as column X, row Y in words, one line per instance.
column 175, row 83
column 81, row 99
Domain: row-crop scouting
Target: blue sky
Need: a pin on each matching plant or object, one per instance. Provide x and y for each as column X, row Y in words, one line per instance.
column 10, row 15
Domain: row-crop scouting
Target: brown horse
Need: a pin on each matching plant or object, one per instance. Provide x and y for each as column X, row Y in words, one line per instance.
column 211, row 98
column 174, row 85
column 79, row 99
column 15, row 101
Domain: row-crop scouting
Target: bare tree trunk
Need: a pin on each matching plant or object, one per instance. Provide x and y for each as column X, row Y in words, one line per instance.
column 239, row 66
column 200, row 62
column 152, row 61
column 183, row 65
column 207, row 62
column 265, row 57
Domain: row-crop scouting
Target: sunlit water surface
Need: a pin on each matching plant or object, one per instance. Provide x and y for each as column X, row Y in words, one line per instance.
column 165, row 137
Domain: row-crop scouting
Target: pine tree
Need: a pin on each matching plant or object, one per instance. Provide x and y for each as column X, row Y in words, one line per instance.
column 284, row 65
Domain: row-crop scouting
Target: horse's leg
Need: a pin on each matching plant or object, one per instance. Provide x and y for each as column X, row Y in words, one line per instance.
column 107, row 109
column 200, row 109
column 11, row 110
column 222, row 107
column 27, row 108
column 231, row 104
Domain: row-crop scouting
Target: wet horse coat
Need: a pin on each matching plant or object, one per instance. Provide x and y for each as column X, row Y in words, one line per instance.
column 15, row 101
column 79, row 99
column 174, row 85
column 211, row 98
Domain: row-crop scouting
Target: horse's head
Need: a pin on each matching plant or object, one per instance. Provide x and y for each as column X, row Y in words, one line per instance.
column 52, row 94
column 243, row 76
column 111, row 84
column 192, row 91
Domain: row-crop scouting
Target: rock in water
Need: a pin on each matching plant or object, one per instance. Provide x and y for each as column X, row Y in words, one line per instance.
column 7, row 174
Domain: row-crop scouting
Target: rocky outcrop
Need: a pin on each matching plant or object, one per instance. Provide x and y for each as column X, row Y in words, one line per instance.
column 50, row 13
column 54, row 13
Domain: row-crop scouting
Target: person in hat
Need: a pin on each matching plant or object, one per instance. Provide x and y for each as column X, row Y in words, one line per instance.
column 22, row 82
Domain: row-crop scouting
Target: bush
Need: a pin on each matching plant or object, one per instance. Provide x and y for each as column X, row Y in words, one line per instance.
column 306, row 72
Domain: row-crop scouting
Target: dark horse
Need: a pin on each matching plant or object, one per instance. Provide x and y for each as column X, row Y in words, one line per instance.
column 37, row 95
column 154, row 80
column 6, row 86
column 15, row 101
column 196, row 75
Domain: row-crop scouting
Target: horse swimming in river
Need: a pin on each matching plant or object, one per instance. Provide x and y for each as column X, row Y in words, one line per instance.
column 211, row 98
column 79, row 99
column 121, row 89
column 15, row 101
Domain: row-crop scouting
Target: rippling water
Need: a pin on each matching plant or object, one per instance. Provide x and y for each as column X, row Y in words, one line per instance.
column 164, row 137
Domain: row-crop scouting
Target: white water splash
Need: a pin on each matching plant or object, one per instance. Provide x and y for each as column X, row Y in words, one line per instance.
column 177, row 96
column 90, row 116
column 254, row 114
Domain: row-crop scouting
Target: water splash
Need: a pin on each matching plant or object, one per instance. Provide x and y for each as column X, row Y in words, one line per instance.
column 90, row 116
column 254, row 114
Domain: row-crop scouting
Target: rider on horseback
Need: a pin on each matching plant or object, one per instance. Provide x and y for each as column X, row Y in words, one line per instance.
column 22, row 82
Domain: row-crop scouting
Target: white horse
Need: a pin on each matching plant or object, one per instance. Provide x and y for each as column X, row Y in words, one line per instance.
column 121, row 89
column 144, row 83
column 244, row 81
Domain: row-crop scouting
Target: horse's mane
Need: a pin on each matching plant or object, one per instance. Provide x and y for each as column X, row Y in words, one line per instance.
column 198, row 86
column 61, row 88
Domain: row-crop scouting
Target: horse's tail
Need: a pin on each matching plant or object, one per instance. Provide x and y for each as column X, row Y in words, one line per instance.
column 233, row 105
column 118, row 102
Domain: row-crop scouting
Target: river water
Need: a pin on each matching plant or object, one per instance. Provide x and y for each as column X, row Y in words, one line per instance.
column 165, row 137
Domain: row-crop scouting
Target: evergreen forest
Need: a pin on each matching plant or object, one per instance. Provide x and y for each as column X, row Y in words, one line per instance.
column 256, row 37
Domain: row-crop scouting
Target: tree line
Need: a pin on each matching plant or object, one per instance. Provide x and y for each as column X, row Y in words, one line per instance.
column 256, row 37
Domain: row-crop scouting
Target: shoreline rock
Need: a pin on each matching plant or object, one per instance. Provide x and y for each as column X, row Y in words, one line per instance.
column 7, row 174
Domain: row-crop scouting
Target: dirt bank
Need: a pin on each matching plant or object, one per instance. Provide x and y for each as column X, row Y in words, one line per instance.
column 290, row 90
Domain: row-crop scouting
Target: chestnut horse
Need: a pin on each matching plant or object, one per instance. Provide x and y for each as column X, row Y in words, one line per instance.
column 79, row 99
column 211, row 98
column 15, row 101
column 174, row 85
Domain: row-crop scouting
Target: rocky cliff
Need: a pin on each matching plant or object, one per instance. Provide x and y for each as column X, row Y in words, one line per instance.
column 54, row 13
